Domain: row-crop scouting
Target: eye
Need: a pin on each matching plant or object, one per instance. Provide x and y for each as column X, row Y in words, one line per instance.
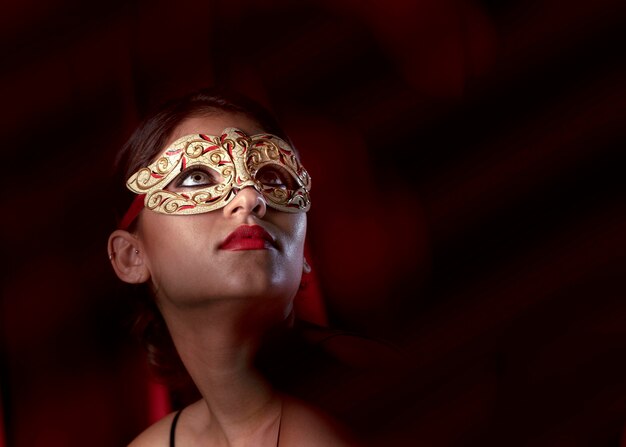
column 195, row 178
column 276, row 177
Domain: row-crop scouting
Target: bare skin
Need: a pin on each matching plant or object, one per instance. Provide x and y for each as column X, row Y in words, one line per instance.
column 217, row 305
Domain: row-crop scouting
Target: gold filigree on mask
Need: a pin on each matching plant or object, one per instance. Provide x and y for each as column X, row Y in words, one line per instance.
column 237, row 161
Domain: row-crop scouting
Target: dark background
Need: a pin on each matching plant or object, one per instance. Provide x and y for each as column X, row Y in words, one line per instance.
column 467, row 202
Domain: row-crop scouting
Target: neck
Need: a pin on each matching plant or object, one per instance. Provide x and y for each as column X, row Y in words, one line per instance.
column 217, row 343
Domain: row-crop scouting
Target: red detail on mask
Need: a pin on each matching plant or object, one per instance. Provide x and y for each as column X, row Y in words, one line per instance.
column 133, row 212
column 210, row 148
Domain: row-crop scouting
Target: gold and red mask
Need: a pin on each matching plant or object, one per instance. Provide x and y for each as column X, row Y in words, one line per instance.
column 201, row 173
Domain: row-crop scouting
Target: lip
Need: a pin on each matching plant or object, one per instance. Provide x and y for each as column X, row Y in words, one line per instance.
column 248, row 237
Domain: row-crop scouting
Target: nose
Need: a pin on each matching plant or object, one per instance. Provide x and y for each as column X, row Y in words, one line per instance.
column 247, row 201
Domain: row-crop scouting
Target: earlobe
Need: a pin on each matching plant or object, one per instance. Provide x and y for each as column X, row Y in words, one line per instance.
column 306, row 268
column 126, row 257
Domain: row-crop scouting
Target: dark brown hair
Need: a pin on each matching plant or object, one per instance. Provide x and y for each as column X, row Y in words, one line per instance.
column 144, row 144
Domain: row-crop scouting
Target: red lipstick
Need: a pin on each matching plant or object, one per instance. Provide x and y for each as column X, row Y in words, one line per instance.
column 248, row 237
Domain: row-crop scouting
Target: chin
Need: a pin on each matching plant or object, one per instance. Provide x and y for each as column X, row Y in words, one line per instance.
column 263, row 287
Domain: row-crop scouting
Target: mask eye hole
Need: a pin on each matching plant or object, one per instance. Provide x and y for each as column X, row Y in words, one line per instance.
column 275, row 176
column 195, row 177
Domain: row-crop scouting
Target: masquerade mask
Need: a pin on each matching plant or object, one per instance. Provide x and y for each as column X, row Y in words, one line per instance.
column 201, row 173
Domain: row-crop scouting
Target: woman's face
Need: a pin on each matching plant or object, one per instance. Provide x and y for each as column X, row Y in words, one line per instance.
column 195, row 258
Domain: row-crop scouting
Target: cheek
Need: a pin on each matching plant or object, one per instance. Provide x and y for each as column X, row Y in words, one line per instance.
column 295, row 225
column 294, row 245
column 172, row 249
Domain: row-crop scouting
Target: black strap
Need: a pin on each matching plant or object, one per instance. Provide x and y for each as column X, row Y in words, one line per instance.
column 280, row 422
column 173, row 429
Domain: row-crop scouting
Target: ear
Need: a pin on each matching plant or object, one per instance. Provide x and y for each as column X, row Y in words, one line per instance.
column 127, row 258
column 306, row 268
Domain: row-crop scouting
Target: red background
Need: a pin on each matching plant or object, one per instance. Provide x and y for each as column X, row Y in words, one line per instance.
column 473, row 144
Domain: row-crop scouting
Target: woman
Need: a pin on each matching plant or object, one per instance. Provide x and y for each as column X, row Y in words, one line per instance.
column 216, row 230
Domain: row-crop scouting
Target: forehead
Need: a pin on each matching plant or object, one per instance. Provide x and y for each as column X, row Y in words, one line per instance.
column 214, row 124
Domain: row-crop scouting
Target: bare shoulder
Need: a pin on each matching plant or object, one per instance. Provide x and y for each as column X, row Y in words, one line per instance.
column 304, row 426
column 157, row 435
